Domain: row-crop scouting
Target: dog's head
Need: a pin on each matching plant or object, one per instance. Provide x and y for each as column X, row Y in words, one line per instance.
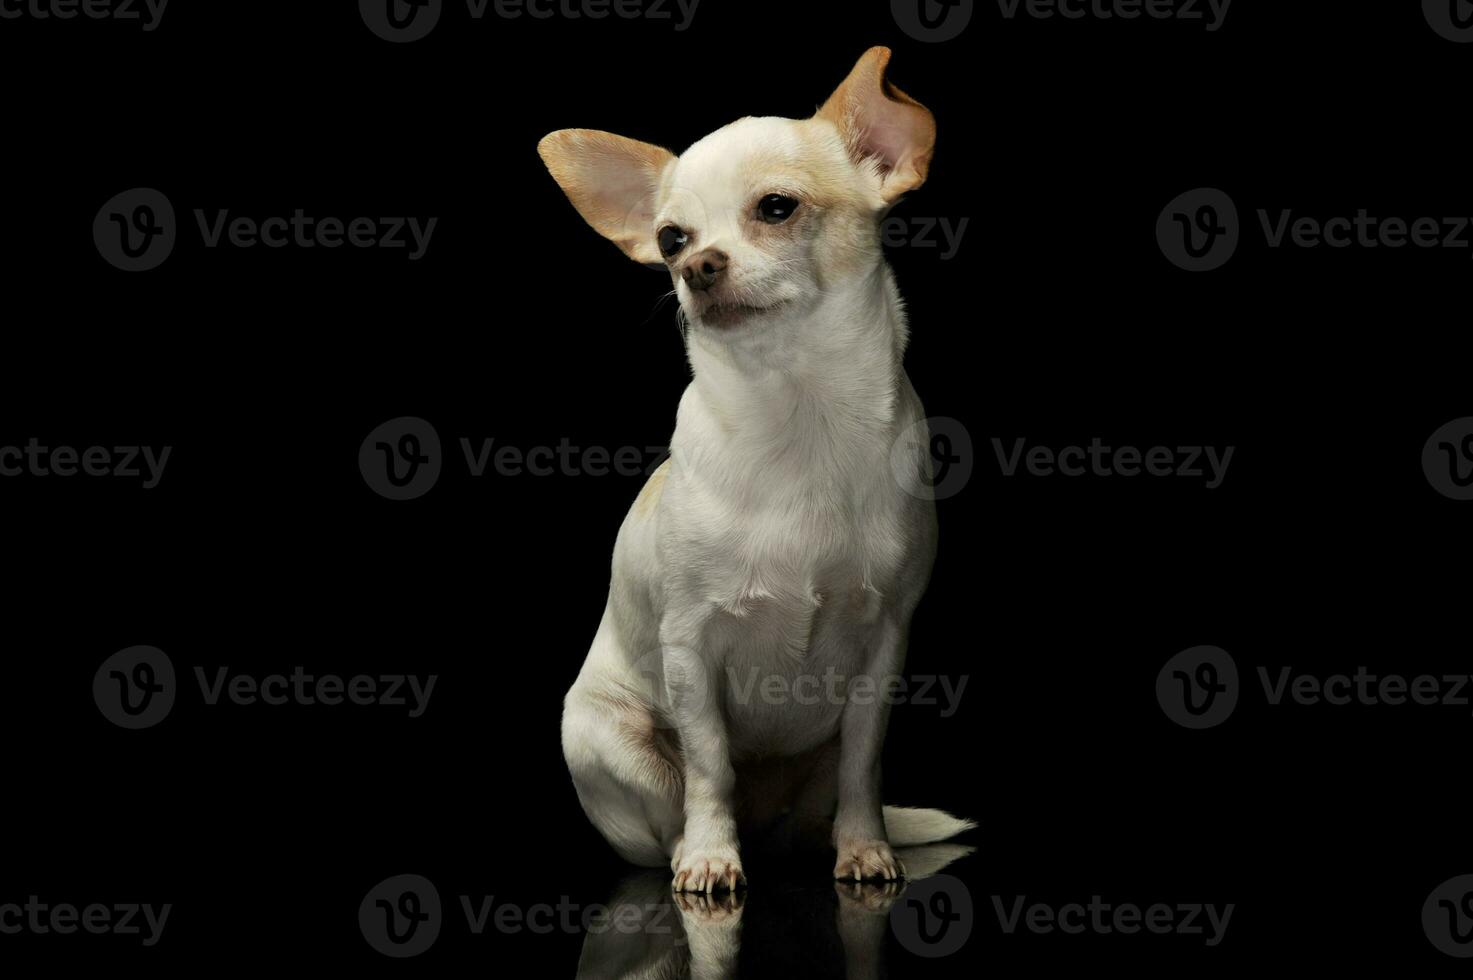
column 763, row 218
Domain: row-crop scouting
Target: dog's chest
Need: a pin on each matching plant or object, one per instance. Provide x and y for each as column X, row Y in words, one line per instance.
column 780, row 549
column 789, row 615
column 797, row 603
column 785, row 555
column 783, row 572
column 787, row 655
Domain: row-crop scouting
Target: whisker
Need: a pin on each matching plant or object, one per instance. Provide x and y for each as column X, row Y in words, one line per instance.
column 659, row 304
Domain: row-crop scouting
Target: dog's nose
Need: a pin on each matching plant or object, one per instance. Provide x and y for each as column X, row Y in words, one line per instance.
column 704, row 269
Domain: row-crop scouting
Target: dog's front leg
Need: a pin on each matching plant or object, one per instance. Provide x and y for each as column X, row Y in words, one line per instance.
column 707, row 858
column 859, row 824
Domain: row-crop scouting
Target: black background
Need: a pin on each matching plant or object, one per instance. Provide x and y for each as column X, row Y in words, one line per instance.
column 1058, row 320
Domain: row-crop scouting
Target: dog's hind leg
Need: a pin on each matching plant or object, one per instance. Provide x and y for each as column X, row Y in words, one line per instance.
column 628, row 775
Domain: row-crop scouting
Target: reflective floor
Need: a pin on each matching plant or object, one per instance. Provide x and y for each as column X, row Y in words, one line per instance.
column 788, row 925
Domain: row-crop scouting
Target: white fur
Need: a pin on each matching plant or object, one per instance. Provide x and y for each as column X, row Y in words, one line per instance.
column 776, row 540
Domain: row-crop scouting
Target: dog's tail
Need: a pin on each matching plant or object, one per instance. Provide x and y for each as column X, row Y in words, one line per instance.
column 906, row 826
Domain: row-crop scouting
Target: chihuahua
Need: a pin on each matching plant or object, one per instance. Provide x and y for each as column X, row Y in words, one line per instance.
column 764, row 579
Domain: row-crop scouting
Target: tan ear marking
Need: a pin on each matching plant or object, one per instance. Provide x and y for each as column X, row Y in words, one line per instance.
column 878, row 121
column 613, row 182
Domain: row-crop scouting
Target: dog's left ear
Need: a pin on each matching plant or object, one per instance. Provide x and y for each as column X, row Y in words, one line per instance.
column 882, row 123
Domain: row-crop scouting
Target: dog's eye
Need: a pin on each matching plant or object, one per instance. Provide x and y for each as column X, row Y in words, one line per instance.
column 776, row 208
column 672, row 240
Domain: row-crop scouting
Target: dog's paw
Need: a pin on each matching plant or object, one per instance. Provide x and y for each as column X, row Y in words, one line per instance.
column 721, row 908
column 708, row 870
column 871, row 898
column 867, row 860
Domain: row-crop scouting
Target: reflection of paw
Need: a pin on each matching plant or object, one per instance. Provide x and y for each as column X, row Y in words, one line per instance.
column 708, row 871
column 858, row 897
column 721, row 908
column 867, row 860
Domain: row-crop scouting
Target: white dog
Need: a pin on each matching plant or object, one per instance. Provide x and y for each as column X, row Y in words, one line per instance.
column 777, row 545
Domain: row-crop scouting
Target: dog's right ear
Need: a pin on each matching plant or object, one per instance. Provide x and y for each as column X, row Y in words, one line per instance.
column 613, row 182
